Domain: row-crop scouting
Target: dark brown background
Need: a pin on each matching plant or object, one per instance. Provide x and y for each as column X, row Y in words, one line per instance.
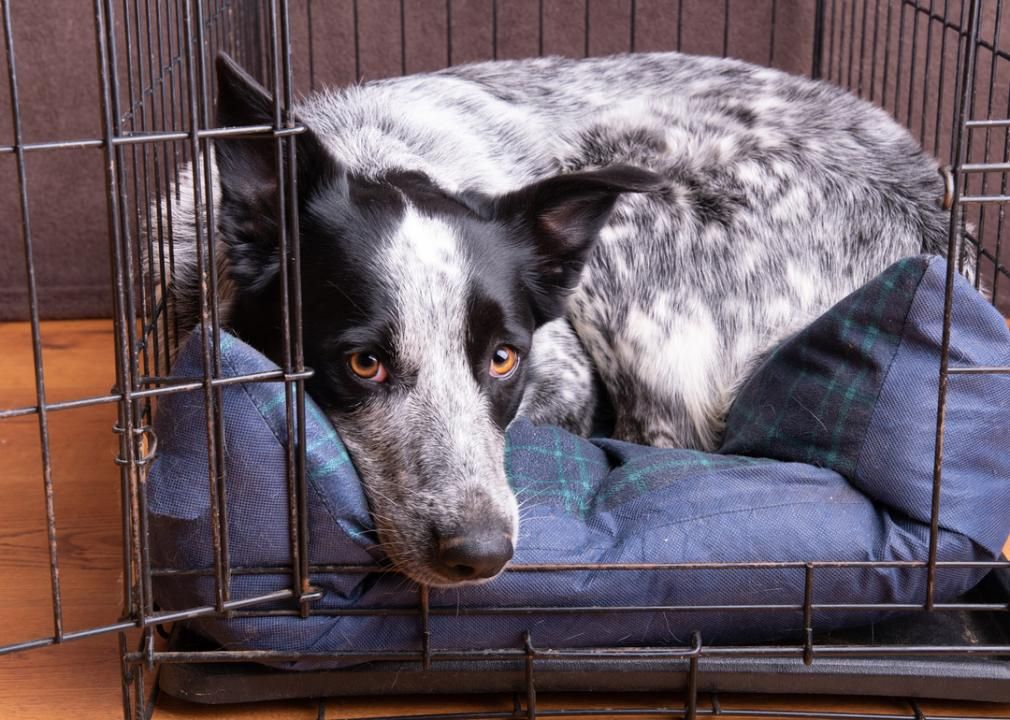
column 59, row 94
column 59, row 87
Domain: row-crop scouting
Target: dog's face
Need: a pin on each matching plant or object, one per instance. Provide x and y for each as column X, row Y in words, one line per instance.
column 419, row 309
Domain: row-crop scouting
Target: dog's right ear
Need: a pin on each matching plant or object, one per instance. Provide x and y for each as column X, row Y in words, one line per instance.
column 558, row 218
column 248, row 178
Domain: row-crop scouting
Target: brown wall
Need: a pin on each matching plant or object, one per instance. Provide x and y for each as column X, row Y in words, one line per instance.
column 59, row 92
column 55, row 46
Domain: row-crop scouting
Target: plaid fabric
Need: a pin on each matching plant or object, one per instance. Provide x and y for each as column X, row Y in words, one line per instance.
column 866, row 372
column 856, row 392
column 812, row 399
column 588, row 478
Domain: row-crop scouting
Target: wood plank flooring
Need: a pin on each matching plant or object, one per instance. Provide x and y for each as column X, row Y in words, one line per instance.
column 81, row 678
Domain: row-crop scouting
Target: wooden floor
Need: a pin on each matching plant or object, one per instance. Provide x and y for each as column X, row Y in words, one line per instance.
column 81, row 678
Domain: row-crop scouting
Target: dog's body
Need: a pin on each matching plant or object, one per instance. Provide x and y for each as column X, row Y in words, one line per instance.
column 460, row 216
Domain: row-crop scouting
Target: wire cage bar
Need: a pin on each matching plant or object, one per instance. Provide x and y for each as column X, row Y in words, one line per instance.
column 941, row 67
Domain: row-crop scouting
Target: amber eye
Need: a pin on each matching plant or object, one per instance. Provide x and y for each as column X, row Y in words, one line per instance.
column 367, row 367
column 504, row 362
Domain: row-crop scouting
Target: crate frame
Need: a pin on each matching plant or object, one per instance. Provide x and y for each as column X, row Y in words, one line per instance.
column 156, row 58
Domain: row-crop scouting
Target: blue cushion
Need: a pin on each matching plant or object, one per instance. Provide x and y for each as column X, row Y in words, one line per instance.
column 856, row 392
column 827, row 456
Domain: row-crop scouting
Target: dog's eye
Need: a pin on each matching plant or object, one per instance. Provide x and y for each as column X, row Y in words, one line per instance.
column 367, row 367
column 504, row 362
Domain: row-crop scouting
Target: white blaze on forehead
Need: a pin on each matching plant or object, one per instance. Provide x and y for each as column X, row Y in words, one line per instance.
column 445, row 414
column 425, row 268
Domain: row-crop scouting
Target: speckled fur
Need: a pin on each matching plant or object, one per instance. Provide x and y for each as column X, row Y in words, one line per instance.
column 780, row 196
column 785, row 195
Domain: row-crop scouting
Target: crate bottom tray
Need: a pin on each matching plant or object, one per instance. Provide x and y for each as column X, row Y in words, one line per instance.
column 950, row 677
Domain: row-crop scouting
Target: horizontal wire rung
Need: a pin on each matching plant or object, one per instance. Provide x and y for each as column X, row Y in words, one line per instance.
column 978, row 371
column 667, row 711
column 155, row 619
column 582, row 654
column 677, row 712
column 452, row 610
column 995, row 122
column 614, row 567
column 67, row 636
column 194, row 383
column 159, row 136
column 169, row 616
column 167, row 389
column 985, row 167
column 982, row 199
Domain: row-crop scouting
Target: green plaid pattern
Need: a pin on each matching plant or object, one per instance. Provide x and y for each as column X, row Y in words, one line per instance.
column 588, row 478
column 812, row 399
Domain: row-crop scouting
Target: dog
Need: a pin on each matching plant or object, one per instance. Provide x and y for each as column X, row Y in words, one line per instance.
column 544, row 238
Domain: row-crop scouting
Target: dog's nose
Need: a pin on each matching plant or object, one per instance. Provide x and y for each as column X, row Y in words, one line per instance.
column 476, row 555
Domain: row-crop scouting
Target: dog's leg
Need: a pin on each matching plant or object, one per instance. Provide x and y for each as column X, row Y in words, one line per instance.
column 560, row 388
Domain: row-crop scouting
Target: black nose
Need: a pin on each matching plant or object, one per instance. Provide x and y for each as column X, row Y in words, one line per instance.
column 474, row 555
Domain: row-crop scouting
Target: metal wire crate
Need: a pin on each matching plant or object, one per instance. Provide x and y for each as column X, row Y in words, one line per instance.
column 942, row 67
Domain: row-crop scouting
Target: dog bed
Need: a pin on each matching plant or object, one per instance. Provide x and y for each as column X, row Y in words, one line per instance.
column 827, row 456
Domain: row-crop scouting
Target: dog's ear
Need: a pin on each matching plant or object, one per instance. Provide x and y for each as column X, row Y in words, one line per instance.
column 561, row 216
column 247, row 175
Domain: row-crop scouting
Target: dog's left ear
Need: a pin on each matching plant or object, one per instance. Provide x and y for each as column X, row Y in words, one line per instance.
column 248, row 177
column 561, row 217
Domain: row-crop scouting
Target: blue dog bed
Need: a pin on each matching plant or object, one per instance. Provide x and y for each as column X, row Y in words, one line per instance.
column 827, row 456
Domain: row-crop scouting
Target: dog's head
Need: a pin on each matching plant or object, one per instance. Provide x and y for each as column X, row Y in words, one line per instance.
column 418, row 312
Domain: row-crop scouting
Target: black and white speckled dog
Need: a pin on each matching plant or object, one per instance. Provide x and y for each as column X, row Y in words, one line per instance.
column 484, row 241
